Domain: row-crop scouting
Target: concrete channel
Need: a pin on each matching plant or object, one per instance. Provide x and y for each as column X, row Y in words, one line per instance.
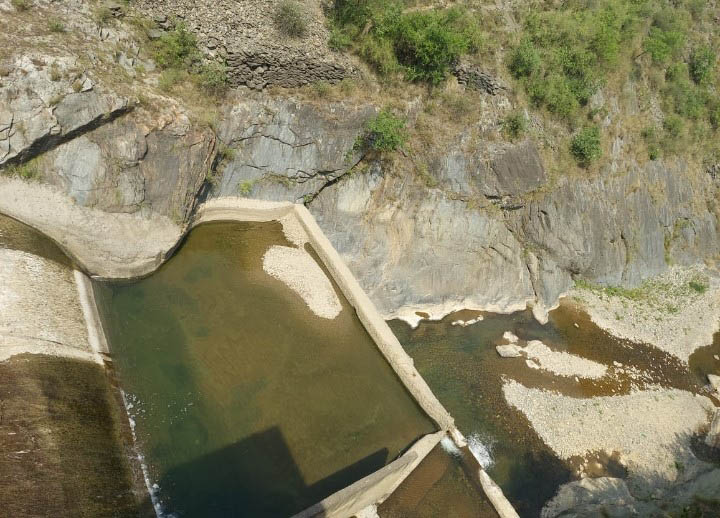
column 378, row 486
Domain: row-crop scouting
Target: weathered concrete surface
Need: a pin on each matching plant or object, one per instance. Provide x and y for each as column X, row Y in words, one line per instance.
column 38, row 301
column 104, row 244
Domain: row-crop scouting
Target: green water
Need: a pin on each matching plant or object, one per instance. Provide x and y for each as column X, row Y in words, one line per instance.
column 246, row 403
column 465, row 372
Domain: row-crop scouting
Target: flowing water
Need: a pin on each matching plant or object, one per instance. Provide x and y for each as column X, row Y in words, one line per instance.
column 463, row 369
column 245, row 402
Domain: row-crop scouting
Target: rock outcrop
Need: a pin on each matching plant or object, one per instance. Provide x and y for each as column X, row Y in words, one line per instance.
column 287, row 151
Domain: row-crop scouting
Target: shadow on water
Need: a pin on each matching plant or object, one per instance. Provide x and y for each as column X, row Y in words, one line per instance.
column 255, row 477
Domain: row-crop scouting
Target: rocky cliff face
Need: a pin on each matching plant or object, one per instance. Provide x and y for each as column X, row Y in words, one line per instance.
column 482, row 223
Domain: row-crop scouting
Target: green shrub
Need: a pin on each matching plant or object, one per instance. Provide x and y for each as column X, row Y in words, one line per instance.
column 698, row 286
column 667, row 35
column 170, row 77
column 213, row 77
column 685, row 97
column 524, row 60
column 177, row 49
column 339, row 40
column 514, row 125
column 26, row 171
column 290, row 18
column 586, row 146
column 714, row 114
column 673, row 125
column 384, row 132
column 565, row 52
column 20, row 5
column 423, row 44
column 702, row 63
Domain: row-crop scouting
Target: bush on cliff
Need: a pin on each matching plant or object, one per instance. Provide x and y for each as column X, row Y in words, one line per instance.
column 177, row 53
column 424, row 44
column 384, row 132
column 586, row 146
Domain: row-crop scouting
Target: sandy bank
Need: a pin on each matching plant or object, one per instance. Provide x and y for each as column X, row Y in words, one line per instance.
column 299, row 271
column 678, row 311
column 650, row 429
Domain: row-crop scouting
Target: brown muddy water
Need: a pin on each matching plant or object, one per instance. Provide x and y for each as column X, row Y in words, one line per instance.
column 444, row 484
column 245, row 402
column 463, row 369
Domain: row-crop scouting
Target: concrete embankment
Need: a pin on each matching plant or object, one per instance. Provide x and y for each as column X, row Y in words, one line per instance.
column 63, row 432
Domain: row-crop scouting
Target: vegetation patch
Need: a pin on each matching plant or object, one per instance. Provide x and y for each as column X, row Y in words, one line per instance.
column 586, row 146
column 564, row 54
column 422, row 44
column 27, row 171
column 384, row 132
column 177, row 53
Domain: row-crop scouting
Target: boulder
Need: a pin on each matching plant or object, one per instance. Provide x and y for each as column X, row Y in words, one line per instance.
column 509, row 351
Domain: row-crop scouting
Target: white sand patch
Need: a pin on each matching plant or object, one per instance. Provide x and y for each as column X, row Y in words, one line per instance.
column 562, row 363
column 293, row 230
column 649, row 428
column 666, row 312
column 299, row 271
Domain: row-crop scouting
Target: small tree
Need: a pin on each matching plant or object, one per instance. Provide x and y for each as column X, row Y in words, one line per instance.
column 586, row 145
column 702, row 63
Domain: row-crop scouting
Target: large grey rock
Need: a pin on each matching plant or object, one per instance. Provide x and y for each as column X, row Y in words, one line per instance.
column 410, row 246
column 31, row 124
column 134, row 164
column 516, row 171
column 287, row 151
column 592, row 497
column 623, row 228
